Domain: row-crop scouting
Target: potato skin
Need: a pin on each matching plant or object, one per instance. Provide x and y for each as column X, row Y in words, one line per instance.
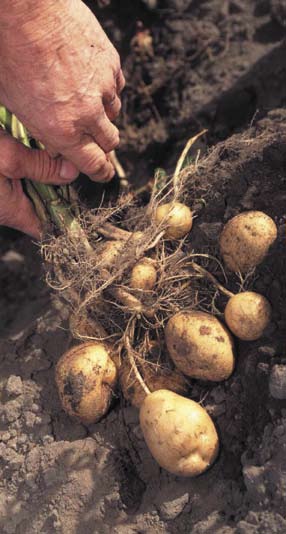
column 143, row 275
column 200, row 346
column 86, row 378
column 247, row 314
column 179, row 433
column 245, row 240
column 177, row 217
column 154, row 377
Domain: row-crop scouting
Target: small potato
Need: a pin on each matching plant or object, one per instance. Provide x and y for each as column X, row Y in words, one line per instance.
column 245, row 240
column 177, row 218
column 179, row 433
column 155, row 377
column 200, row 346
column 143, row 275
column 247, row 314
column 86, row 378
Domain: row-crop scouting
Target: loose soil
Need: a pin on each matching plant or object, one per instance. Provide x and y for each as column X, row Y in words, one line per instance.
column 216, row 64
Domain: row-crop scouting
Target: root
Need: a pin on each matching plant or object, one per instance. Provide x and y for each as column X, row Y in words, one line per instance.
column 95, row 281
column 131, row 303
column 212, row 279
column 109, row 231
column 130, row 354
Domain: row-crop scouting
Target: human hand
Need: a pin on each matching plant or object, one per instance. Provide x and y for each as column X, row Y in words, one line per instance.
column 61, row 76
column 16, row 162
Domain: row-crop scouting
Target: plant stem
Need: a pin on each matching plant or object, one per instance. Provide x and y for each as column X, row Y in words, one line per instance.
column 50, row 202
column 212, row 279
column 182, row 158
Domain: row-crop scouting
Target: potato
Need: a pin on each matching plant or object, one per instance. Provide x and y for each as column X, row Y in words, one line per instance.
column 176, row 217
column 200, row 346
column 86, row 378
column 143, row 275
column 245, row 240
column 155, row 377
column 179, row 433
column 247, row 314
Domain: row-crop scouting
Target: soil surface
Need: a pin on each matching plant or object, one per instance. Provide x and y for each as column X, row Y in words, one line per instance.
column 218, row 64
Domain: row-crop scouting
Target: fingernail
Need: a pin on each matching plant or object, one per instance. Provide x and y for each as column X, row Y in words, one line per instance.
column 68, row 171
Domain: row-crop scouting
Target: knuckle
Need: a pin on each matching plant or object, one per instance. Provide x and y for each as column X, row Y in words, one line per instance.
column 116, row 61
column 113, row 141
column 116, row 106
column 95, row 164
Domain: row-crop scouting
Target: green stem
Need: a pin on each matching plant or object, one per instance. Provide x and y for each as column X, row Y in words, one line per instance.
column 53, row 201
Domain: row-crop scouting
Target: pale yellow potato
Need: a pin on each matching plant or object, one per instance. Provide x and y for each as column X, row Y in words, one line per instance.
column 179, row 433
column 155, row 378
column 200, row 346
column 176, row 217
column 86, row 378
column 143, row 275
column 245, row 240
column 247, row 315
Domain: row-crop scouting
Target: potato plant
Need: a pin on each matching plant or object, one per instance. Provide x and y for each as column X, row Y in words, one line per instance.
column 132, row 282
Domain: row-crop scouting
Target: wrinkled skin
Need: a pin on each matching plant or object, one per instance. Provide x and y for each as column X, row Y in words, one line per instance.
column 61, row 76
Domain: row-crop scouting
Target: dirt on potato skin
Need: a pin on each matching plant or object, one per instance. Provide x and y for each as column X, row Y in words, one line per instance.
column 60, row 476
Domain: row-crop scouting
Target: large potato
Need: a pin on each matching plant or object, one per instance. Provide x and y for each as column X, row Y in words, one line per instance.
column 200, row 346
column 86, row 378
column 245, row 240
column 179, row 433
column 155, row 377
column 247, row 314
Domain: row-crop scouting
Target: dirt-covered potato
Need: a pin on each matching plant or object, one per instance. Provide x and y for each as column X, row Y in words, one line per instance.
column 200, row 346
column 177, row 218
column 247, row 315
column 245, row 240
column 155, row 377
column 86, row 379
column 179, row 433
column 143, row 275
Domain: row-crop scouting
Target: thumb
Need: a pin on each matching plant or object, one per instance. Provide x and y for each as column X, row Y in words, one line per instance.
column 18, row 161
column 16, row 210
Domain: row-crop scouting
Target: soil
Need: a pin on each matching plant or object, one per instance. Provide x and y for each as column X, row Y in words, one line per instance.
column 210, row 63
